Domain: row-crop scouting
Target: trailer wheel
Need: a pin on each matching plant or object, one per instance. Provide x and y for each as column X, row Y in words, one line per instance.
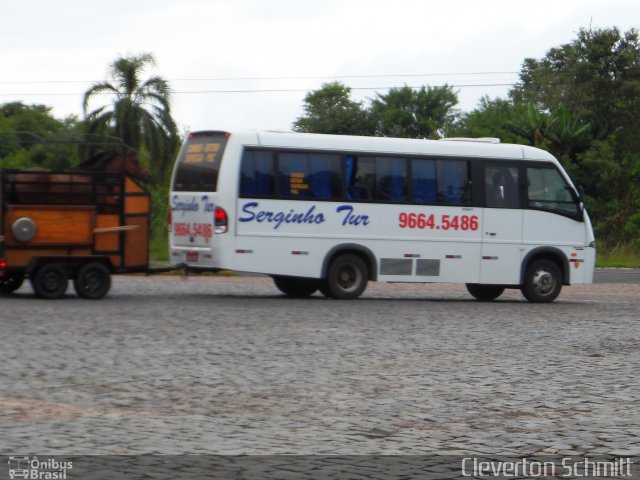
column 11, row 283
column 50, row 281
column 92, row 281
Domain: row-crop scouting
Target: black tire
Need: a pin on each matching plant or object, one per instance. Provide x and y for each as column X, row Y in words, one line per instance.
column 347, row 277
column 11, row 283
column 324, row 289
column 542, row 281
column 50, row 281
column 92, row 281
column 296, row 286
column 485, row 293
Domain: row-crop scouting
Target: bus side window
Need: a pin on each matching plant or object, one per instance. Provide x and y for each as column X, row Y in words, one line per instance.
column 424, row 181
column 360, row 177
column 309, row 175
column 293, row 178
column 391, row 174
column 453, row 182
column 501, row 187
column 324, row 176
column 256, row 176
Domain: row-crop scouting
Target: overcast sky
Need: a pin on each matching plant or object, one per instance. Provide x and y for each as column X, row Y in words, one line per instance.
column 248, row 63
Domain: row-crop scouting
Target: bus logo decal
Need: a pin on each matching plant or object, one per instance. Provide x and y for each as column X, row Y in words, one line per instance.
column 278, row 218
column 192, row 205
column 350, row 218
column 188, row 206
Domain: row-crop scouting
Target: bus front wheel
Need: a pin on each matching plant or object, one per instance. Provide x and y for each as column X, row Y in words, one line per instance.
column 347, row 277
column 295, row 286
column 484, row 293
column 542, row 281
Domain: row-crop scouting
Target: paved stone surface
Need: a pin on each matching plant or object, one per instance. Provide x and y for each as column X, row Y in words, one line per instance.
column 229, row 366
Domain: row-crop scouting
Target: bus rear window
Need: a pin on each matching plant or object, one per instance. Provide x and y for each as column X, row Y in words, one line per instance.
column 199, row 162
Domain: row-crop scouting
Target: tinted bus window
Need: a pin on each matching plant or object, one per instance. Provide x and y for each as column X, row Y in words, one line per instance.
column 309, row 175
column 453, row 182
column 424, row 181
column 256, row 176
column 199, row 162
column 360, row 175
column 440, row 182
column 391, row 173
column 501, row 187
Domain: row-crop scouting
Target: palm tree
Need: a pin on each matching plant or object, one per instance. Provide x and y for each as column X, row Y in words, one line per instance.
column 140, row 114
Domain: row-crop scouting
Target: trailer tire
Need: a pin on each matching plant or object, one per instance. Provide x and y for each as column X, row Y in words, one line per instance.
column 50, row 281
column 92, row 281
column 11, row 283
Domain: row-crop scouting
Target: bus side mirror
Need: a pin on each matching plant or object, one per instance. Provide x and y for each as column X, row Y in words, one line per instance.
column 581, row 193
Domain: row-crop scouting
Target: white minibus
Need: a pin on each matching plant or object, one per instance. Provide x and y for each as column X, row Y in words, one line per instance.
column 333, row 212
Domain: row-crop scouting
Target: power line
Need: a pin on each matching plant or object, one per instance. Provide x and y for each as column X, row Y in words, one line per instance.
column 258, row 78
column 269, row 90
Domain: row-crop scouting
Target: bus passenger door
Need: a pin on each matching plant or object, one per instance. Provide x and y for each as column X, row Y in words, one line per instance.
column 501, row 225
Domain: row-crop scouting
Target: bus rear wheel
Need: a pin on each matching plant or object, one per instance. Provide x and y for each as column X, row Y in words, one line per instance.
column 347, row 277
column 485, row 293
column 542, row 281
column 295, row 286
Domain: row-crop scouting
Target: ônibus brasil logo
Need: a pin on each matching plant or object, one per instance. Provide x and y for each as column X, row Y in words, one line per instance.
column 32, row 468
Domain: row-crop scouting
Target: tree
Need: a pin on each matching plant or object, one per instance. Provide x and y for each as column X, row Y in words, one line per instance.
column 331, row 110
column 140, row 114
column 596, row 77
column 492, row 118
column 31, row 136
column 568, row 135
column 423, row 113
column 592, row 86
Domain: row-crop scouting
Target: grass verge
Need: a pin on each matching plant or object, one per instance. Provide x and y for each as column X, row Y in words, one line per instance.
column 159, row 248
column 618, row 256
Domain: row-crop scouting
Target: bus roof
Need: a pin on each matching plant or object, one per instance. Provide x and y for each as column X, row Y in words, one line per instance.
column 480, row 148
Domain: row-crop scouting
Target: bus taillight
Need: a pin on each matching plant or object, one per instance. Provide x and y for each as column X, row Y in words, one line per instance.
column 3, row 264
column 220, row 220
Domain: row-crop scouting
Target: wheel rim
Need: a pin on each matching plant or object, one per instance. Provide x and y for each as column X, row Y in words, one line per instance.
column 348, row 278
column 543, row 282
column 51, row 281
column 92, row 282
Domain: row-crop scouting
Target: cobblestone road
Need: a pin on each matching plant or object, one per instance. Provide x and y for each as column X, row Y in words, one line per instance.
column 229, row 366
